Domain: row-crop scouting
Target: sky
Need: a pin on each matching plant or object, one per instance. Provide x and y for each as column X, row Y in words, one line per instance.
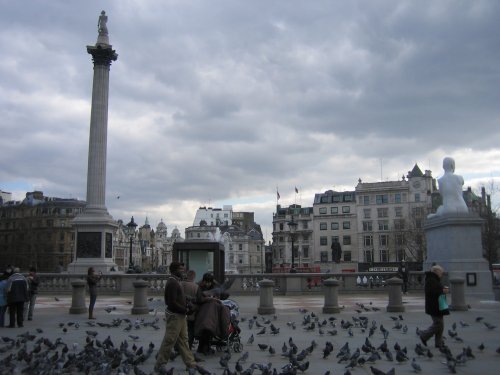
column 223, row 102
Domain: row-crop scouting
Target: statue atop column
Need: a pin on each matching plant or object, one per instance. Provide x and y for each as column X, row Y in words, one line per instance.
column 450, row 188
column 102, row 29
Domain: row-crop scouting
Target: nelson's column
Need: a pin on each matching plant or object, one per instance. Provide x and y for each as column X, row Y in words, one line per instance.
column 95, row 227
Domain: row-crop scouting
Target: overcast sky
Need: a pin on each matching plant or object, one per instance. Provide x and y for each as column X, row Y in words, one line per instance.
column 221, row 102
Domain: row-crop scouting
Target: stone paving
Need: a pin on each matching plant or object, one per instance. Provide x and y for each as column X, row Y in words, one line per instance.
column 53, row 322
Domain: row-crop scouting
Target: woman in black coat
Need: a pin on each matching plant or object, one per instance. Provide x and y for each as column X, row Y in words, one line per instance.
column 433, row 289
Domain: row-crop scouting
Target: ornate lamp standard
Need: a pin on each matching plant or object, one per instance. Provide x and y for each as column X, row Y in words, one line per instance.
column 131, row 232
column 292, row 225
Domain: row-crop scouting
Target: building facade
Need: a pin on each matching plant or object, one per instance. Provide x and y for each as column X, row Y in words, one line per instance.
column 391, row 217
column 37, row 232
column 297, row 236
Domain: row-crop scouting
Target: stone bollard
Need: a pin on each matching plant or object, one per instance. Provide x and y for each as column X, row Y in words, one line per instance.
column 395, row 295
column 140, row 297
column 457, row 290
column 78, row 297
column 266, row 297
column 331, row 296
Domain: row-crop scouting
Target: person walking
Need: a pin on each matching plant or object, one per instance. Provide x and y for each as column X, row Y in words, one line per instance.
column 3, row 298
column 17, row 295
column 176, row 327
column 92, row 280
column 191, row 291
column 434, row 291
column 33, row 282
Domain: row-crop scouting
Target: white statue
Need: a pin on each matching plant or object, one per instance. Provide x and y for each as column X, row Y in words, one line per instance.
column 102, row 28
column 450, row 187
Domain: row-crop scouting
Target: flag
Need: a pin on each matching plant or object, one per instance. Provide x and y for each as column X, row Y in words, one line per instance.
column 296, row 190
column 277, row 195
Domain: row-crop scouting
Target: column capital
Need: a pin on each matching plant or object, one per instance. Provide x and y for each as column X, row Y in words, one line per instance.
column 102, row 55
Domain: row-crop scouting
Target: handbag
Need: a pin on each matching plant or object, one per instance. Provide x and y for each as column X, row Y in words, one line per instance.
column 443, row 305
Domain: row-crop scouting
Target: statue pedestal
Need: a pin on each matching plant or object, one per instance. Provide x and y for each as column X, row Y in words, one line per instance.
column 454, row 241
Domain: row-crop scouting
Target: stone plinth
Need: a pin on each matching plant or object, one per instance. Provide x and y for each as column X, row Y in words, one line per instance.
column 457, row 288
column 331, row 296
column 266, row 297
column 455, row 242
column 140, row 297
column 395, row 295
column 78, row 297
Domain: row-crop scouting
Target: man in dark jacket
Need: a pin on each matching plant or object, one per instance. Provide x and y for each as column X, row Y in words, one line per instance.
column 176, row 329
column 33, row 282
column 433, row 289
column 403, row 273
column 17, row 295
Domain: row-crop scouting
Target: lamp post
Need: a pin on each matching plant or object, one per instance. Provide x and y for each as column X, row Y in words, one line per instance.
column 292, row 225
column 131, row 232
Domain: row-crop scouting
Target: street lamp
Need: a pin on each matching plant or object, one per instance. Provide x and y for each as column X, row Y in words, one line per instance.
column 292, row 225
column 131, row 232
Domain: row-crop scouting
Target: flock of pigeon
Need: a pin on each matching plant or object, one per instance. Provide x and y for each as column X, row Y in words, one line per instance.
column 341, row 344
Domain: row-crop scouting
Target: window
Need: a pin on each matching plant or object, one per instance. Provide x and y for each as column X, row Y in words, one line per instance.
column 368, row 241
column 322, row 210
column 418, row 223
column 384, row 240
column 346, row 225
column 305, row 251
column 230, row 247
column 348, row 198
column 346, row 240
column 383, row 225
column 366, row 200
column 240, row 246
column 418, row 211
column 368, row 255
column 398, row 211
column 323, row 226
column 323, row 241
column 335, row 226
column 240, row 259
column 397, row 198
column 382, row 212
column 399, row 239
column 347, row 256
column 305, row 225
column 399, row 224
column 400, row 255
column 346, row 209
column 417, row 197
column 367, row 213
column 367, row 226
column 324, row 256
column 334, row 210
column 281, row 226
column 305, row 236
column 335, row 239
column 61, row 236
column 384, row 255
column 336, row 198
column 382, row 199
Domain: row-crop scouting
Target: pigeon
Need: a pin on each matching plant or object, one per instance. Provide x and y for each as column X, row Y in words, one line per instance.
column 263, row 346
column 489, row 326
column 250, row 339
column 262, row 331
column 416, row 367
